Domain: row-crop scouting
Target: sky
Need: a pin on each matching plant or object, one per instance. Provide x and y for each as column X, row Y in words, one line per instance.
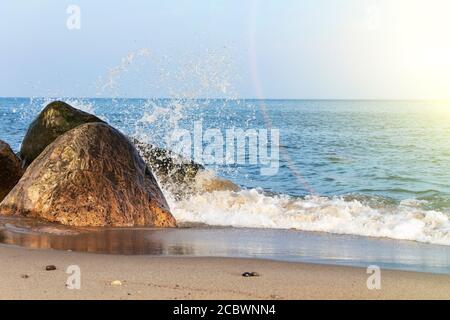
column 281, row 49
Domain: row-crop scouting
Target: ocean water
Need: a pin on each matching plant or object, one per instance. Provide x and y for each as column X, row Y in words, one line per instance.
column 366, row 168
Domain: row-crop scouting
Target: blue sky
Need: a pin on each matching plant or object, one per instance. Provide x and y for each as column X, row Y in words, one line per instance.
column 346, row 49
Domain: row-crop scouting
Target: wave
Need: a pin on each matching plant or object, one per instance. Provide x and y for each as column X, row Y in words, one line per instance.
column 254, row 208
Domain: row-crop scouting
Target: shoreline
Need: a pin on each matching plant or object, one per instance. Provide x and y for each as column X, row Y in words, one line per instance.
column 271, row 244
column 23, row 276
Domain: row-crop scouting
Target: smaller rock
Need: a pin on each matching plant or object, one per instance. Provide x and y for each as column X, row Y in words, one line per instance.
column 116, row 283
column 24, row 276
column 250, row 274
column 50, row 267
column 10, row 169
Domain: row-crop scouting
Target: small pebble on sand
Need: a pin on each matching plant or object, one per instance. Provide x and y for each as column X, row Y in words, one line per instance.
column 250, row 274
column 50, row 267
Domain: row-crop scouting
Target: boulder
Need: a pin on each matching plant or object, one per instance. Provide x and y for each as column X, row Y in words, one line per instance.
column 178, row 175
column 90, row 176
column 56, row 119
column 208, row 181
column 169, row 167
column 10, row 169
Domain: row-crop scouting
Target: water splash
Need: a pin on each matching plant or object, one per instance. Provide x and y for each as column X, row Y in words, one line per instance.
column 110, row 84
column 188, row 81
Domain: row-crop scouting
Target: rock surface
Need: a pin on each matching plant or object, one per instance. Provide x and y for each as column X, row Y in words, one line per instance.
column 175, row 173
column 207, row 181
column 10, row 169
column 56, row 119
column 178, row 175
column 90, row 176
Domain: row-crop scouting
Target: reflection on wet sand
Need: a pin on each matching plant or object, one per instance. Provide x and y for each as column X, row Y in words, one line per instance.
column 288, row 245
column 40, row 235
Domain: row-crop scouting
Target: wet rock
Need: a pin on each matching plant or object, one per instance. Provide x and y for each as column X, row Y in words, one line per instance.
column 50, row 267
column 56, row 119
column 10, row 169
column 90, row 176
column 175, row 174
column 170, row 168
column 178, row 175
column 207, row 181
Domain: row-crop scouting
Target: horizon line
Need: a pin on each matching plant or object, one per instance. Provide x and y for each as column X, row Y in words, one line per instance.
column 231, row 99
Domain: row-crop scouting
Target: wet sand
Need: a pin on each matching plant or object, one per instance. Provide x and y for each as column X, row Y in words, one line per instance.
column 23, row 276
column 202, row 241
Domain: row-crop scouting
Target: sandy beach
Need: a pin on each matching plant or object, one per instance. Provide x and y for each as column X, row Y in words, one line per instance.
column 23, row 275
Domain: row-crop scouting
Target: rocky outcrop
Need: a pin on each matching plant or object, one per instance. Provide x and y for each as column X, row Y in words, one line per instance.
column 170, row 168
column 56, row 119
column 180, row 176
column 10, row 169
column 90, row 176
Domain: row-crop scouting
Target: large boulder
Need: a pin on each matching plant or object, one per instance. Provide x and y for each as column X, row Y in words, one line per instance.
column 90, row 176
column 56, row 119
column 177, row 175
column 10, row 169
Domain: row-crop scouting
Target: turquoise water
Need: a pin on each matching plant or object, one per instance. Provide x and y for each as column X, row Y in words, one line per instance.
column 372, row 168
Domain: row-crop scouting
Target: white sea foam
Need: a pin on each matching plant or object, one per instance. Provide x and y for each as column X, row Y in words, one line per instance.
column 254, row 209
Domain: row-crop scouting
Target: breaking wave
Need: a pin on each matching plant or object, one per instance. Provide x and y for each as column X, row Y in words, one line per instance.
column 254, row 208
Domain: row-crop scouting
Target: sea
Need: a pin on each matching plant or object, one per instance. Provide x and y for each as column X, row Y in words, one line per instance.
column 351, row 182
